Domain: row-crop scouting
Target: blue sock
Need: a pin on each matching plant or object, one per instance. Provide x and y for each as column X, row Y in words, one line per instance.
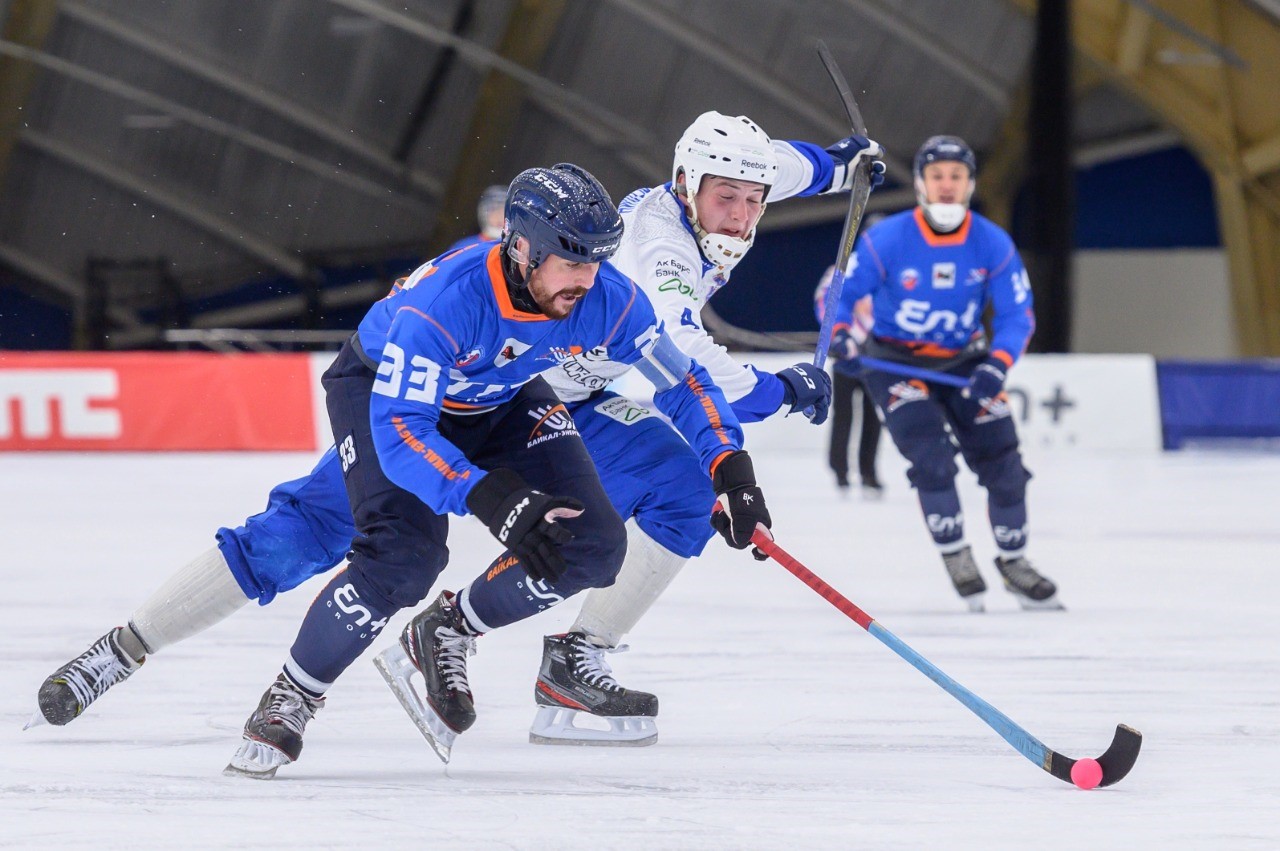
column 1009, row 524
column 504, row 594
column 336, row 630
column 943, row 517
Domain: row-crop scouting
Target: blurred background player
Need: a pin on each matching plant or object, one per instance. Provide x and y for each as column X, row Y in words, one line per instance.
column 489, row 214
column 931, row 273
column 848, row 391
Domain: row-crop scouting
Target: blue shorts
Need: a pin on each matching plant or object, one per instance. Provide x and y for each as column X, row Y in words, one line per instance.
column 647, row 470
column 305, row 530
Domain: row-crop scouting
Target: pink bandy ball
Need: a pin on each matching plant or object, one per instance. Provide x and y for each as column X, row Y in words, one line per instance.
column 1086, row 773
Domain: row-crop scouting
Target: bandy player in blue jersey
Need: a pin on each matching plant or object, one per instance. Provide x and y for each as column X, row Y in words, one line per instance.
column 931, row 272
column 437, row 408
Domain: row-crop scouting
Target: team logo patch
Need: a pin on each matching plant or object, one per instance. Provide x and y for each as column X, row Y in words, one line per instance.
column 909, row 278
column 904, row 392
column 510, row 350
column 551, row 423
column 993, row 409
column 470, row 357
column 975, row 277
column 623, row 410
column 944, row 276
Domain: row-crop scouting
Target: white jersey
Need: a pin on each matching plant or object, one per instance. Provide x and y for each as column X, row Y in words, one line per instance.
column 660, row 253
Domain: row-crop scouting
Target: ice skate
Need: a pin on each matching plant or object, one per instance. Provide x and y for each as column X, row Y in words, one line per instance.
column 1032, row 590
column 872, row 490
column 69, row 690
column 575, row 681
column 964, row 574
column 273, row 733
column 435, row 644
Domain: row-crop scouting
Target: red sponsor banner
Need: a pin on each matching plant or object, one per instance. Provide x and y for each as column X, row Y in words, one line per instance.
column 155, row 400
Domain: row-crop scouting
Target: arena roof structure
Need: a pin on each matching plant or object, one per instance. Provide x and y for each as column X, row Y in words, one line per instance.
column 197, row 146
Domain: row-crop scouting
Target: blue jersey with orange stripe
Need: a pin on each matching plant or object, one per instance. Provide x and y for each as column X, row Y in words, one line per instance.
column 930, row 290
column 449, row 339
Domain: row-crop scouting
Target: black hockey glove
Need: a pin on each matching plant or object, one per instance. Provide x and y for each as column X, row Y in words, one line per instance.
column 524, row 521
column 843, row 346
column 805, row 387
column 739, row 503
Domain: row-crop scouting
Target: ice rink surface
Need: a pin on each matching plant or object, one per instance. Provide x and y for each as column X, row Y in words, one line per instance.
column 783, row 724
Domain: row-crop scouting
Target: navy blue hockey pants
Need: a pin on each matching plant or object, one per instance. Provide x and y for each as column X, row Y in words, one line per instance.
column 923, row 418
column 400, row 544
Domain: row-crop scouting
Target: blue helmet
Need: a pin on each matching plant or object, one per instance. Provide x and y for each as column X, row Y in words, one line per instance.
column 943, row 149
column 562, row 210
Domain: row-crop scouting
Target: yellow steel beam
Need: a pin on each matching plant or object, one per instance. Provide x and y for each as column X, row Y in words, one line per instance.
column 1209, row 69
column 28, row 24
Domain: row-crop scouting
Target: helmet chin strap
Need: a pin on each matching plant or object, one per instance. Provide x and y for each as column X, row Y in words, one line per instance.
column 722, row 250
column 517, row 281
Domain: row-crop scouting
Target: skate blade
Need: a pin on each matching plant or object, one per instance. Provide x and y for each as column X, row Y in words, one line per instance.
column 255, row 761
column 37, row 719
column 395, row 667
column 976, row 602
column 553, row 725
column 1049, row 604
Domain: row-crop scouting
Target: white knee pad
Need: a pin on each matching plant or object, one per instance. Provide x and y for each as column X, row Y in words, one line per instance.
column 610, row 613
column 199, row 595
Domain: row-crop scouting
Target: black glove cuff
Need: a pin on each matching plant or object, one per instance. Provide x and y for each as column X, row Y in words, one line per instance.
column 491, row 492
column 735, row 471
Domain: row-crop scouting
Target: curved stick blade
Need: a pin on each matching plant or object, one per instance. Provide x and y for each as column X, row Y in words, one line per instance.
column 1121, row 755
column 1116, row 761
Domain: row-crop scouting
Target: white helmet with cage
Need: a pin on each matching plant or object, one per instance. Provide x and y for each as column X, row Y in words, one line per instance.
column 722, row 146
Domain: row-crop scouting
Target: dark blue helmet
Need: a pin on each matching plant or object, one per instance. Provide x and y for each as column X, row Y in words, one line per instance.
column 562, row 210
column 944, row 149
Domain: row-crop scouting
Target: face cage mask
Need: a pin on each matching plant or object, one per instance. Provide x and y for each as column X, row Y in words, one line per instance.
column 944, row 218
column 724, row 251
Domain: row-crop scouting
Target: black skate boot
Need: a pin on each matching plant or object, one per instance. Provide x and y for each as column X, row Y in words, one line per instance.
column 964, row 574
column 1032, row 589
column 435, row 644
column 575, row 679
column 273, row 733
column 69, row 690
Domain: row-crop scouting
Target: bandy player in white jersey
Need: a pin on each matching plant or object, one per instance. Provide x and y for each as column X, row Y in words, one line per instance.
column 681, row 242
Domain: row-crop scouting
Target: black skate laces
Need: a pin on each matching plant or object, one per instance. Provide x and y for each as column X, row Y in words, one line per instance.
column 961, row 566
column 92, row 674
column 1020, row 573
column 590, row 665
column 451, row 658
column 291, row 708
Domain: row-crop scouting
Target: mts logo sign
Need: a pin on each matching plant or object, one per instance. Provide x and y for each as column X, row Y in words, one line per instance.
column 59, row 404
